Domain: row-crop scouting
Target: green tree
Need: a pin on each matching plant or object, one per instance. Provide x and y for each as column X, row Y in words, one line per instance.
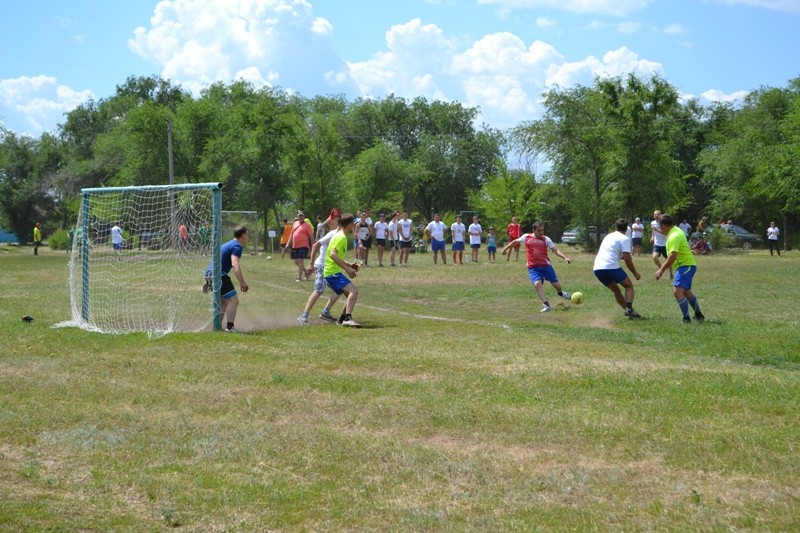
column 505, row 194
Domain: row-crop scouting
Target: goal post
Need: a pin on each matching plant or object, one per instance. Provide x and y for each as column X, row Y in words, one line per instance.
column 139, row 257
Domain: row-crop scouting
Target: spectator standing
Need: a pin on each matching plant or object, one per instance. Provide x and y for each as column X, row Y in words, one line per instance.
column 659, row 241
column 514, row 232
column 37, row 237
column 392, row 235
column 380, row 231
column 637, row 234
column 435, row 230
column 475, row 232
column 299, row 244
column 773, row 234
column 458, row 231
column 405, row 229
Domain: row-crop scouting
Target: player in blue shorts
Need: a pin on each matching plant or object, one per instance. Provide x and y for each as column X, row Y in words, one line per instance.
column 615, row 246
column 680, row 255
column 336, row 267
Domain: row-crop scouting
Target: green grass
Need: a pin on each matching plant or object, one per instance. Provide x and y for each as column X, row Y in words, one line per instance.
column 457, row 407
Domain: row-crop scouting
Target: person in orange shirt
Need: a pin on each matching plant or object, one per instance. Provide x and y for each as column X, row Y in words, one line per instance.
column 287, row 232
column 300, row 243
column 514, row 232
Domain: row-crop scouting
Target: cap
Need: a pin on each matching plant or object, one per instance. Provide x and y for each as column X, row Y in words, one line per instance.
column 381, row 215
column 300, row 214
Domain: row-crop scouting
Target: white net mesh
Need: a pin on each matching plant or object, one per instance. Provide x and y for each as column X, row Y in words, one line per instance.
column 138, row 260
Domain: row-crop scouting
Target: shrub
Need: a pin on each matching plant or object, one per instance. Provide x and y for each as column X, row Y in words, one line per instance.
column 58, row 240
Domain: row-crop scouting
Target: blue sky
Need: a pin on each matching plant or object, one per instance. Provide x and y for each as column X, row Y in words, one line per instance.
column 498, row 55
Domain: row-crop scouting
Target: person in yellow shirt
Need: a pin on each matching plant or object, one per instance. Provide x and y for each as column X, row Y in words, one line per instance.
column 336, row 267
column 680, row 254
column 37, row 238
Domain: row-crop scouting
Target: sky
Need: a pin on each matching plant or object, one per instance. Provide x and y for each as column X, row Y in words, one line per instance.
column 497, row 55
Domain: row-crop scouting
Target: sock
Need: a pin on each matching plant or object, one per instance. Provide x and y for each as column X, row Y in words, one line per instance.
column 305, row 314
column 629, row 305
column 347, row 317
column 560, row 293
column 695, row 304
column 684, row 305
column 230, row 325
column 326, row 311
column 546, row 303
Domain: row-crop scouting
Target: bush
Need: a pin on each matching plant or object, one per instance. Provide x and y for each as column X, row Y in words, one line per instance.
column 718, row 238
column 58, row 240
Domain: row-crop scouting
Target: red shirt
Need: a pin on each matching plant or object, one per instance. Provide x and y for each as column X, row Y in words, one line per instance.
column 514, row 231
column 536, row 250
column 301, row 235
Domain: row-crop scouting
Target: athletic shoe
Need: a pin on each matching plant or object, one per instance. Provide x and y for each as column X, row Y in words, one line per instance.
column 205, row 287
column 231, row 330
column 303, row 320
column 687, row 320
column 351, row 323
column 297, row 280
column 328, row 317
column 545, row 309
column 630, row 313
column 566, row 295
column 700, row 317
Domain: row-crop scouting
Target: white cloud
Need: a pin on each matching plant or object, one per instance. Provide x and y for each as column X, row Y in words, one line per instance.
column 544, row 22
column 629, row 27
column 600, row 7
column 674, row 29
column 788, row 6
column 715, row 95
column 40, row 99
column 614, row 63
column 197, row 42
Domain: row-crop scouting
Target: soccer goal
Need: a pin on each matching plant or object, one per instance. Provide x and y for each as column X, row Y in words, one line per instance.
column 139, row 256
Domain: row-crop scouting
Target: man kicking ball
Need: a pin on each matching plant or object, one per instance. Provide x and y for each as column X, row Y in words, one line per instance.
column 540, row 269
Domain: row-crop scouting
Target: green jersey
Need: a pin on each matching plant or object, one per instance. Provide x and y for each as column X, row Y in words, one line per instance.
column 676, row 242
column 339, row 243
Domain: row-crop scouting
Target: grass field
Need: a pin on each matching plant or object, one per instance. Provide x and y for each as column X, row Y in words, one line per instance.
column 458, row 407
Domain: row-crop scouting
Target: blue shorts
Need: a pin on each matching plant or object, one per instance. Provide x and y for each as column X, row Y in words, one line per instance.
column 491, row 249
column 607, row 277
column 660, row 250
column 437, row 246
column 117, row 246
column 458, row 246
column 337, row 282
column 476, row 246
column 684, row 276
column 546, row 273
column 637, row 241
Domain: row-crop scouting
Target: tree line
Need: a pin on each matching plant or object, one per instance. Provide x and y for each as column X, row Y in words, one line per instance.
column 622, row 146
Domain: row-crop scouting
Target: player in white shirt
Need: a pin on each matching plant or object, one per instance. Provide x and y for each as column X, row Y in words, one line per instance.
column 615, row 246
column 772, row 238
column 435, row 230
column 475, row 231
column 457, row 231
column 116, row 239
column 405, row 227
column 659, row 241
column 391, row 233
column 637, row 234
column 379, row 230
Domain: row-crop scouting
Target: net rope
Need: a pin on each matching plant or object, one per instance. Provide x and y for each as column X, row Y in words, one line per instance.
column 153, row 281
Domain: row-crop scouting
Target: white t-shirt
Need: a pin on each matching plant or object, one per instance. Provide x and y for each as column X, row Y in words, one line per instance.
column 637, row 230
column 404, row 226
column 436, row 230
column 364, row 230
column 659, row 238
column 685, row 227
column 323, row 249
column 116, row 235
column 475, row 231
column 457, row 230
column 391, row 228
column 611, row 249
column 380, row 229
column 321, row 230
column 772, row 233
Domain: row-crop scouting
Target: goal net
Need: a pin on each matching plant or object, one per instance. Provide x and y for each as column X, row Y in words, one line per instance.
column 139, row 256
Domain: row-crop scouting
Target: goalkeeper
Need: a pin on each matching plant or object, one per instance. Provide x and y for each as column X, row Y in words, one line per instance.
column 231, row 254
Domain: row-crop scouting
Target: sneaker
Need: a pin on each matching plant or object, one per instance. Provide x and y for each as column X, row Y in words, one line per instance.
column 231, row 330
column 566, row 295
column 297, row 280
column 700, row 317
column 303, row 320
column 205, row 287
column 630, row 313
column 687, row 320
column 351, row 323
column 545, row 309
column 327, row 316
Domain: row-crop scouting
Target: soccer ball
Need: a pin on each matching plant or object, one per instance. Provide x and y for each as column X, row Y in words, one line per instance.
column 577, row 297
column 269, row 257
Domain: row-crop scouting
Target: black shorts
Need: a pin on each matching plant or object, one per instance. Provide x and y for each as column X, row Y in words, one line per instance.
column 366, row 243
column 380, row 242
column 660, row 250
column 227, row 286
column 406, row 244
column 299, row 253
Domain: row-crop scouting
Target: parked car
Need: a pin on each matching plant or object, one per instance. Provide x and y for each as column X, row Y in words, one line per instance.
column 578, row 235
column 739, row 237
column 742, row 237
